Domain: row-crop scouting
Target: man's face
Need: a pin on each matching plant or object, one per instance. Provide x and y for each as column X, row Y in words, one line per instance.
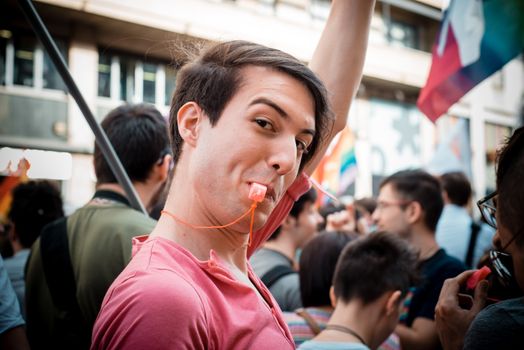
column 260, row 137
column 307, row 223
column 390, row 214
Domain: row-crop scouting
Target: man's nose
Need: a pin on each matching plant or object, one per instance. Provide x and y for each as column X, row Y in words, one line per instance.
column 283, row 157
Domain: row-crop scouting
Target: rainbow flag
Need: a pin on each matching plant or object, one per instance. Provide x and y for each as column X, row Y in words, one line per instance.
column 476, row 39
column 338, row 169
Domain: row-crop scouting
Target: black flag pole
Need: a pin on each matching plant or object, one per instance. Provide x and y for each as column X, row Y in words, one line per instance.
column 100, row 136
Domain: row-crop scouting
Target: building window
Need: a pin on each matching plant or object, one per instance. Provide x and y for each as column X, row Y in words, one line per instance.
column 52, row 79
column 149, row 82
column 137, row 81
column 170, row 83
column 104, row 75
column 403, row 35
column 24, row 61
column 3, row 48
column 127, row 79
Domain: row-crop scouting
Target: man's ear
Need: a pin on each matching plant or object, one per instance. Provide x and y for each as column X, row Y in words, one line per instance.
column 392, row 302
column 189, row 117
column 289, row 222
column 414, row 212
column 332, row 296
column 162, row 168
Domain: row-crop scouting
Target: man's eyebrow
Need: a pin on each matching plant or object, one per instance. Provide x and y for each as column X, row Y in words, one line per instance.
column 266, row 101
column 276, row 107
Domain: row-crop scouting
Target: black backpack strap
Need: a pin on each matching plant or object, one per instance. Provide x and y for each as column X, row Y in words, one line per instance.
column 60, row 278
column 276, row 273
column 475, row 230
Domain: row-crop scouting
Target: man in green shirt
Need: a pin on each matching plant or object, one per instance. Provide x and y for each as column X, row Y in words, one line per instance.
column 61, row 312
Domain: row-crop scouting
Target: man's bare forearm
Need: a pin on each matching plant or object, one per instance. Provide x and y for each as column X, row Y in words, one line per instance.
column 339, row 59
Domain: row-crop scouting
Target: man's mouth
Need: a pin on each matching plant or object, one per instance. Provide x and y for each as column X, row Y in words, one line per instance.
column 270, row 192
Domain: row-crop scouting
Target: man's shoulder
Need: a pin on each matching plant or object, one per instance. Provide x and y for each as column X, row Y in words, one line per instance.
column 443, row 263
column 145, row 301
column 264, row 259
column 511, row 309
column 154, row 286
column 498, row 326
column 117, row 217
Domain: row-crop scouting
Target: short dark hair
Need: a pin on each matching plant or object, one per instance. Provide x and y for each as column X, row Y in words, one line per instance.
column 214, row 77
column 139, row 136
column 457, row 187
column 374, row 264
column 510, row 175
column 419, row 186
column 297, row 208
column 366, row 204
column 317, row 266
column 34, row 204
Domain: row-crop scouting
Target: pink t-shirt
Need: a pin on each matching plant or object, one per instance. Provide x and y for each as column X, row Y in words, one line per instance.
column 167, row 299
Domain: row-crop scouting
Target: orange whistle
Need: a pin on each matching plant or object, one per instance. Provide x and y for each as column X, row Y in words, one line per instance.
column 257, row 192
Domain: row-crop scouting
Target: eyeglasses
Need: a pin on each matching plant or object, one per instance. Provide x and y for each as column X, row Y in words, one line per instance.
column 499, row 262
column 488, row 209
column 384, row 204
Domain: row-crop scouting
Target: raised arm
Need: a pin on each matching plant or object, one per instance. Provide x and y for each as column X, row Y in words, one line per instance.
column 339, row 58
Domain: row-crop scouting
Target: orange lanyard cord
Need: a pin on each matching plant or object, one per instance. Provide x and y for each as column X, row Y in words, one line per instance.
column 250, row 210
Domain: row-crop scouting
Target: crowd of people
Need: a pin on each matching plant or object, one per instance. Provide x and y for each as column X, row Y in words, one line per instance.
column 221, row 268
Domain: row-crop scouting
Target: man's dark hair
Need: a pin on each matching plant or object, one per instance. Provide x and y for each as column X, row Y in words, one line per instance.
column 374, row 264
column 140, row 138
column 34, row 204
column 421, row 187
column 366, row 204
column 297, row 208
column 510, row 176
column 317, row 266
column 457, row 187
column 215, row 76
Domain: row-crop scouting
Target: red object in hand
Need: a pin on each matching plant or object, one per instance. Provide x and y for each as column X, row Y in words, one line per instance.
column 477, row 276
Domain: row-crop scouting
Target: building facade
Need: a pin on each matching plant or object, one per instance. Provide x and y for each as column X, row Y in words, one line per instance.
column 128, row 51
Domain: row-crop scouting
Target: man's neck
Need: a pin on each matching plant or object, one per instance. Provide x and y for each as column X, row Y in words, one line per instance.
column 362, row 319
column 282, row 245
column 144, row 192
column 229, row 245
column 424, row 241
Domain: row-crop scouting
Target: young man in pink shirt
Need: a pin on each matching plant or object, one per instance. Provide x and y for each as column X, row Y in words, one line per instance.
column 241, row 114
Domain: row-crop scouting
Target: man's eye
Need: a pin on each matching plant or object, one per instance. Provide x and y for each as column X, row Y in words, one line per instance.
column 264, row 124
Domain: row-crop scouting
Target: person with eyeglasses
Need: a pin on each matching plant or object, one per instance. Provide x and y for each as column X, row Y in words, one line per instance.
column 501, row 325
column 409, row 204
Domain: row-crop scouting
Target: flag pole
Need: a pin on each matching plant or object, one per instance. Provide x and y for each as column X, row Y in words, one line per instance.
column 100, row 136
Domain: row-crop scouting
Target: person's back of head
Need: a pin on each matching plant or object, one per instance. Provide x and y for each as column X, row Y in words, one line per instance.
column 373, row 264
column 298, row 207
column 317, row 266
column 34, row 204
column 140, row 138
column 374, row 273
column 215, row 76
column 366, row 205
column 421, row 187
column 456, row 187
